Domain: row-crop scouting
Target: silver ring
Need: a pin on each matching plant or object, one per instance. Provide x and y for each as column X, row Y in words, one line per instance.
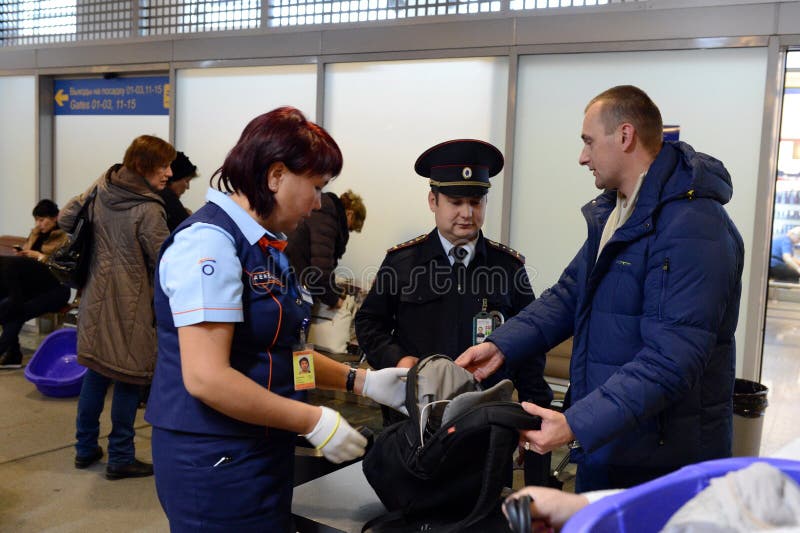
column 527, row 446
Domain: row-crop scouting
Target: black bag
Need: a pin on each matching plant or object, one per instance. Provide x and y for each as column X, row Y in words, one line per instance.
column 70, row 263
column 447, row 462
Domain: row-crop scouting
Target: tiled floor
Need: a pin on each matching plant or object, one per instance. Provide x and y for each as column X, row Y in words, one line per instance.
column 780, row 372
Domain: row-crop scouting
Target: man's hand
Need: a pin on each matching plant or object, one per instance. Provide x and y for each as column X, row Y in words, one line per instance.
column 407, row 361
column 550, row 507
column 555, row 430
column 482, row 360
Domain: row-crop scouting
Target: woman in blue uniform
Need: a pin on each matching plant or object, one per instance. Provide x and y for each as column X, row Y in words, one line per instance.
column 227, row 399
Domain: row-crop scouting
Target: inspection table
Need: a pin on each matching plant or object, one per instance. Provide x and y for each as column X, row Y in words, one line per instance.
column 343, row 501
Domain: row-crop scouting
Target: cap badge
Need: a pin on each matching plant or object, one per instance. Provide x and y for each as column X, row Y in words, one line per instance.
column 466, row 173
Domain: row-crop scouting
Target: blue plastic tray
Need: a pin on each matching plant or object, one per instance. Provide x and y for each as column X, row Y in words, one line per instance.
column 54, row 368
column 648, row 507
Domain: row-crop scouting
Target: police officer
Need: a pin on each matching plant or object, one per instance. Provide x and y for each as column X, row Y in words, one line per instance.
column 445, row 291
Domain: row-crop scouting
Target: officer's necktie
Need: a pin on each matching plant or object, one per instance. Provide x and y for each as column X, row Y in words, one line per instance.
column 459, row 255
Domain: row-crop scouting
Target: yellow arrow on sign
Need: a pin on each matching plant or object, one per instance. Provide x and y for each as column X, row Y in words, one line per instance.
column 61, row 97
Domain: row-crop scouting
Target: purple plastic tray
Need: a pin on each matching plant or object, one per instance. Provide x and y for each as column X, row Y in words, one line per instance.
column 54, row 368
column 648, row 507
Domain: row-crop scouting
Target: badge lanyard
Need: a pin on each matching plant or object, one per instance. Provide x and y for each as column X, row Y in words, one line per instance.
column 303, row 360
column 484, row 323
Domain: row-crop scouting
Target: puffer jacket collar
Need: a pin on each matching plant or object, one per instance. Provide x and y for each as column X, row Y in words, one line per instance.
column 123, row 189
column 702, row 176
column 677, row 173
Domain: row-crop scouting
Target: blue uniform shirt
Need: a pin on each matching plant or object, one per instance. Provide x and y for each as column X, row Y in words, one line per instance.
column 213, row 269
column 781, row 245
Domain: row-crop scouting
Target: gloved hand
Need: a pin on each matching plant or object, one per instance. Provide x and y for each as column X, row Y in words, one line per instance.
column 387, row 387
column 335, row 438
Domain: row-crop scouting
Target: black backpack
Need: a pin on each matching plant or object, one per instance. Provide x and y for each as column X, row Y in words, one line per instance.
column 447, row 462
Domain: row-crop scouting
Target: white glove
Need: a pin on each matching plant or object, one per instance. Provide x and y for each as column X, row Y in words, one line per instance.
column 337, row 440
column 387, row 387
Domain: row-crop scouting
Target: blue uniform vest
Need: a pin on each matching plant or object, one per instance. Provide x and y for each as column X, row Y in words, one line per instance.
column 262, row 345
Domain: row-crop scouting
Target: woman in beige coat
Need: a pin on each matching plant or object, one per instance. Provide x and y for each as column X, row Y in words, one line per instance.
column 116, row 335
column 27, row 289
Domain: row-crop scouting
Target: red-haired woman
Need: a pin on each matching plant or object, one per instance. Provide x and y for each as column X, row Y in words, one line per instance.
column 226, row 404
column 116, row 337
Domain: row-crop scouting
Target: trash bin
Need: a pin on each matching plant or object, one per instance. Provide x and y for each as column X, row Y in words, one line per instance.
column 749, row 404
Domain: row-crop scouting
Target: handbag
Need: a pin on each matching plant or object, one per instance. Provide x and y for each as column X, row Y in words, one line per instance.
column 330, row 328
column 70, row 263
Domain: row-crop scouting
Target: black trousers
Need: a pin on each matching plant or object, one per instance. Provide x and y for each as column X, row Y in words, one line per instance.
column 27, row 290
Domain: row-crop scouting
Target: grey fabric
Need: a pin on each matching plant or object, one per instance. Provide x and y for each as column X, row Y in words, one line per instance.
column 499, row 393
column 445, row 390
column 439, row 380
column 759, row 497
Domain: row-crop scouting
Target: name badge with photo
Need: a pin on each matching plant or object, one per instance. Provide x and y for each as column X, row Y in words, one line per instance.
column 482, row 327
column 303, row 369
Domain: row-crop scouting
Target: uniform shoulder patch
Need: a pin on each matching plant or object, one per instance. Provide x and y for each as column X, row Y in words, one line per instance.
column 407, row 244
column 503, row 248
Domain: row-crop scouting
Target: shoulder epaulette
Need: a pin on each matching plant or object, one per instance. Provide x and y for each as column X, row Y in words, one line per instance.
column 412, row 242
column 510, row 251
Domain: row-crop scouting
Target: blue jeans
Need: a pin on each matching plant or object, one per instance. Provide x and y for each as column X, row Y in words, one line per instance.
column 123, row 413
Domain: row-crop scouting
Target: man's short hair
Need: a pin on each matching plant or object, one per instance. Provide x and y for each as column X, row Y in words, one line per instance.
column 626, row 103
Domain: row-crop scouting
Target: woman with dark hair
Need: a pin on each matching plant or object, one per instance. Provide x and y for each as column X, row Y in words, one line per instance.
column 116, row 337
column 226, row 403
column 183, row 171
column 27, row 289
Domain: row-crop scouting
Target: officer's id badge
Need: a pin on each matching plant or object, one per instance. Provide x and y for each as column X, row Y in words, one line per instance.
column 484, row 323
column 481, row 327
column 303, row 369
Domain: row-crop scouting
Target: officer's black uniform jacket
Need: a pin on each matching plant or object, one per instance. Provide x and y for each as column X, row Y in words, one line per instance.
column 415, row 308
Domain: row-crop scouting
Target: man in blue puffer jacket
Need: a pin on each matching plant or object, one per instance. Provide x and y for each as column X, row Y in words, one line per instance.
column 652, row 299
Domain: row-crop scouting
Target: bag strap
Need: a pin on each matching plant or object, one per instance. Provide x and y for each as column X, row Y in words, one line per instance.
column 507, row 414
column 84, row 208
column 499, row 417
column 492, row 476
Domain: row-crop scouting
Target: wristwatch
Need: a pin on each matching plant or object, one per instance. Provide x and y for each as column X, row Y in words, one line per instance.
column 351, row 380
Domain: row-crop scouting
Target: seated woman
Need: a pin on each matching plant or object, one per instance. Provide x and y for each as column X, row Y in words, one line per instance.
column 27, row 289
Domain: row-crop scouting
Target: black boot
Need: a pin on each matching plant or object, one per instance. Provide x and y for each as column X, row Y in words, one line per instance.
column 135, row 469
column 12, row 358
column 88, row 460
